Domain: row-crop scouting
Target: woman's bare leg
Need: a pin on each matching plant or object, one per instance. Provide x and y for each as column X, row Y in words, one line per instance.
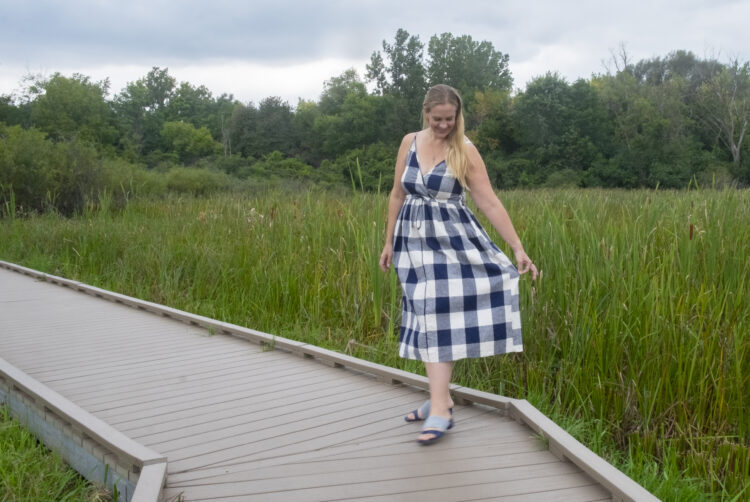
column 439, row 375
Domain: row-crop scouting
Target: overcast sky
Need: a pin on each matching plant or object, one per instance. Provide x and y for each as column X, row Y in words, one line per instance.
column 258, row 48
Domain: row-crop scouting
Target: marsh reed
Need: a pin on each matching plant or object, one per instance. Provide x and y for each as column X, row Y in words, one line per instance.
column 637, row 333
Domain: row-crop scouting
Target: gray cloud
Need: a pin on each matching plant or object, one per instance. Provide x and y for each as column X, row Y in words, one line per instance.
column 572, row 38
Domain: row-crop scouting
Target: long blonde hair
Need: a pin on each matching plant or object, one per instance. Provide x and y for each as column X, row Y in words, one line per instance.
column 455, row 158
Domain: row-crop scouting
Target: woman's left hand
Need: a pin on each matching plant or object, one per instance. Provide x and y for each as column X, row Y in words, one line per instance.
column 524, row 264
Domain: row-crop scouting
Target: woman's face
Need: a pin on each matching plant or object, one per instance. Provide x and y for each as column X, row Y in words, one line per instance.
column 442, row 120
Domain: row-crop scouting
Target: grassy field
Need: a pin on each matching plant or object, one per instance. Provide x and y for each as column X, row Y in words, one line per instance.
column 636, row 335
column 28, row 471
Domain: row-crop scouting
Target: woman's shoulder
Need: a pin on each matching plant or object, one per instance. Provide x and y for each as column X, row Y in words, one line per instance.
column 409, row 138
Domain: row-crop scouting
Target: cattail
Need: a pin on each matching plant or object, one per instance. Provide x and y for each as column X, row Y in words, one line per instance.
column 691, row 231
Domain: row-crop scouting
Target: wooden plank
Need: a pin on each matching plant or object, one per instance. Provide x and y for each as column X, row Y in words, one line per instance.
column 381, row 450
column 290, row 431
column 291, row 439
column 484, row 491
column 150, row 483
column 142, row 428
column 116, row 360
column 591, row 493
column 390, row 483
column 178, row 411
column 221, row 424
column 153, row 407
column 143, row 380
column 51, row 356
column 221, row 390
column 417, row 462
column 160, row 386
column 102, row 432
column 164, row 363
column 306, row 414
column 395, row 433
column 94, row 368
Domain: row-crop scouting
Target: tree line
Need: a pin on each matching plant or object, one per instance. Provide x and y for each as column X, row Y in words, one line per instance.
column 660, row 122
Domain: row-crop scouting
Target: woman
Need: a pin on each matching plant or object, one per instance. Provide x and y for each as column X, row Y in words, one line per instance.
column 460, row 292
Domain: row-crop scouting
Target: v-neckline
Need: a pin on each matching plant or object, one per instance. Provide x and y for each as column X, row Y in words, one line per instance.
column 419, row 164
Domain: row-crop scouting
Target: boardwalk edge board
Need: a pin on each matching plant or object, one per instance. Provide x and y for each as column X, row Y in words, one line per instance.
column 96, row 450
column 561, row 443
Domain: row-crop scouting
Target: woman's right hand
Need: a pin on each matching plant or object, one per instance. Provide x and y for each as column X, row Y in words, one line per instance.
column 386, row 257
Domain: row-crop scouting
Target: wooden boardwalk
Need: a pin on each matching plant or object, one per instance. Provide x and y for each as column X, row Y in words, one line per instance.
column 239, row 421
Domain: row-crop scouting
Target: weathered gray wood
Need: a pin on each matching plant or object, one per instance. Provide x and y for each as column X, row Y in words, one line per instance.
column 259, row 387
column 192, row 414
column 242, row 377
column 510, row 481
column 144, row 380
column 150, row 483
column 257, row 419
column 239, row 422
column 591, row 493
column 102, row 432
column 484, row 491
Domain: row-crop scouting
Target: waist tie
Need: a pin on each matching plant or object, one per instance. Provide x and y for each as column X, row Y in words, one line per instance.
column 416, row 215
column 419, row 201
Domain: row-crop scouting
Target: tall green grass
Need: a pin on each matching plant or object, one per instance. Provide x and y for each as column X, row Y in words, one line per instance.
column 30, row 472
column 636, row 334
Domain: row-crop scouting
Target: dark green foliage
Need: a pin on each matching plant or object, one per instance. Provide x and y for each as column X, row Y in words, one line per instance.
column 662, row 122
column 74, row 107
column 467, row 65
column 43, row 175
column 187, row 142
column 369, row 168
column 196, row 181
column 37, row 175
column 14, row 114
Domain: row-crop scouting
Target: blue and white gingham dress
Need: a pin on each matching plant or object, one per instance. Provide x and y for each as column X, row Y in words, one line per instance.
column 460, row 292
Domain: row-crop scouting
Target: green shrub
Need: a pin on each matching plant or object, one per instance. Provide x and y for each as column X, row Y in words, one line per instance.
column 196, row 181
column 564, row 178
column 39, row 175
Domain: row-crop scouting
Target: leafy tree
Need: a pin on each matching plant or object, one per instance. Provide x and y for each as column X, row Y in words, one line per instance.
column 187, row 142
column 197, row 106
column 337, row 89
column 12, row 113
column 142, row 110
column 276, row 164
column 368, row 168
column 354, row 126
column 243, row 127
column 197, row 181
column 45, row 175
column 490, row 123
column 401, row 73
column 304, row 118
column 190, row 104
column 348, row 117
column 275, row 127
column 677, row 64
column 70, row 107
column 724, row 101
column 654, row 140
column 256, row 132
column 467, row 65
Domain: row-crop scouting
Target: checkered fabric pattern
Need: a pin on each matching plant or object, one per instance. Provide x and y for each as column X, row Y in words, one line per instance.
column 460, row 292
